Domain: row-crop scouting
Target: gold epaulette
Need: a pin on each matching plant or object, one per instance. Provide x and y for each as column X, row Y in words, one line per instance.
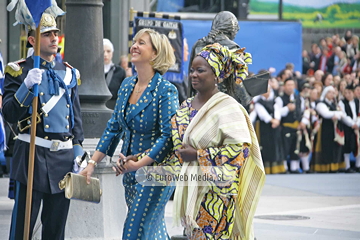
column 77, row 73
column 13, row 68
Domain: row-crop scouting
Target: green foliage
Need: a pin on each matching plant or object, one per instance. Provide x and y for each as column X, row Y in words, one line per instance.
column 263, row 7
column 335, row 15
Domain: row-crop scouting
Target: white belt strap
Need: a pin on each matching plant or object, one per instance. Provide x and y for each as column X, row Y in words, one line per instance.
column 54, row 99
column 54, row 145
column 52, row 102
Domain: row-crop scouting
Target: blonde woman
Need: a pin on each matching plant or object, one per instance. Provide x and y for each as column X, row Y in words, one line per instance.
column 141, row 118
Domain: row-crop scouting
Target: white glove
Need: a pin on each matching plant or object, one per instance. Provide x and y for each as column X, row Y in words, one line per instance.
column 34, row 77
column 77, row 167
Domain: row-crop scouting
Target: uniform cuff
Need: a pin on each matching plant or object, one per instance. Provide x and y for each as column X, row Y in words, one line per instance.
column 78, row 150
column 24, row 96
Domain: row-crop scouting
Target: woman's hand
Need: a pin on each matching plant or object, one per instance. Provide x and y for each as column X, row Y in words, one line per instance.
column 187, row 153
column 126, row 164
column 87, row 172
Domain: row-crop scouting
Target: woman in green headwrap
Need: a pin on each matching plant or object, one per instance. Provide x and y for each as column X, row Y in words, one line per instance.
column 213, row 132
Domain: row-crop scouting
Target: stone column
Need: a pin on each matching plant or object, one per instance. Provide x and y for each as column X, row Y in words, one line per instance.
column 84, row 50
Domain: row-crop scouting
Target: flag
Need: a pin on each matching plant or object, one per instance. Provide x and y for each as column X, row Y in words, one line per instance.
column 29, row 12
column 36, row 8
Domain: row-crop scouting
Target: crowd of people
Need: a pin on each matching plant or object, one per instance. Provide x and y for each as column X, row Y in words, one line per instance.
column 313, row 115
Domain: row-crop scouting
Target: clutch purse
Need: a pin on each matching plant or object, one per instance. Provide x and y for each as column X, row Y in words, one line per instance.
column 76, row 188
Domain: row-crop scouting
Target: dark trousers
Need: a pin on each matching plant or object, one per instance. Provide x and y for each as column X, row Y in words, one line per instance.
column 53, row 216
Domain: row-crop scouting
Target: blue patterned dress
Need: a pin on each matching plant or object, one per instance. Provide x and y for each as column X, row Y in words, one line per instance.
column 145, row 128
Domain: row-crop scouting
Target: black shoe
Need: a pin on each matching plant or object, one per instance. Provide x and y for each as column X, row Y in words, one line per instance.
column 350, row 170
column 357, row 169
column 309, row 171
column 295, row 172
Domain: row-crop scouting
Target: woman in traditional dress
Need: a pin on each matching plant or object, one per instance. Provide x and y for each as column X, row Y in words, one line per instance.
column 213, row 130
column 142, row 119
column 329, row 139
column 268, row 132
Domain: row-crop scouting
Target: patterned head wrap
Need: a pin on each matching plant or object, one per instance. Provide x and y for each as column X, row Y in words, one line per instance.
column 225, row 63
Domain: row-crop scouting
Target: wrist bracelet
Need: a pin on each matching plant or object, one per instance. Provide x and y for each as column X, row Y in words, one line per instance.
column 93, row 162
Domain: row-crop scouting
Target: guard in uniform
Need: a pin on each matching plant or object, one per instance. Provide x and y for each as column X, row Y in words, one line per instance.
column 59, row 132
column 291, row 107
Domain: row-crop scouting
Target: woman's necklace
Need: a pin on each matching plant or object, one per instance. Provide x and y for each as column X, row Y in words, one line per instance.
column 138, row 91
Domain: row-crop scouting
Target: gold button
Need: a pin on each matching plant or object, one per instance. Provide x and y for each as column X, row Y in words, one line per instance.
column 43, row 104
column 41, row 93
column 68, row 105
column 46, row 137
column 47, row 126
column 46, row 115
column 66, row 137
column 67, row 117
column 67, row 126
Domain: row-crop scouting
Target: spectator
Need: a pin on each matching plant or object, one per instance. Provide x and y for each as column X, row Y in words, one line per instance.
column 357, row 92
column 327, row 153
column 319, row 87
column 305, row 62
column 124, row 63
column 114, row 74
column 355, row 64
column 343, row 62
column 333, row 61
column 323, row 59
column 327, row 80
column 316, row 58
column 341, row 89
column 351, row 109
column 336, row 80
column 269, row 132
column 318, row 75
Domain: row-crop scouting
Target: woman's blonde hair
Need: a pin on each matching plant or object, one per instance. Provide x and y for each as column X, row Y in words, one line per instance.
column 165, row 56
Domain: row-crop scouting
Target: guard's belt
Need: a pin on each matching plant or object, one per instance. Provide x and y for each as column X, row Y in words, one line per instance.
column 54, row 145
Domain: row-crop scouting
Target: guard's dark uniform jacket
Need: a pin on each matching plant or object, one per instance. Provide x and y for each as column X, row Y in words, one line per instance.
column 59, row 120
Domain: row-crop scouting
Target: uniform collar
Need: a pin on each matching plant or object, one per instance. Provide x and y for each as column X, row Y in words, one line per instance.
column 45, row 63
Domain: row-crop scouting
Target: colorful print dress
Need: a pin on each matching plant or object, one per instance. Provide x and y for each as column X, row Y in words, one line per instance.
column 216, row 215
